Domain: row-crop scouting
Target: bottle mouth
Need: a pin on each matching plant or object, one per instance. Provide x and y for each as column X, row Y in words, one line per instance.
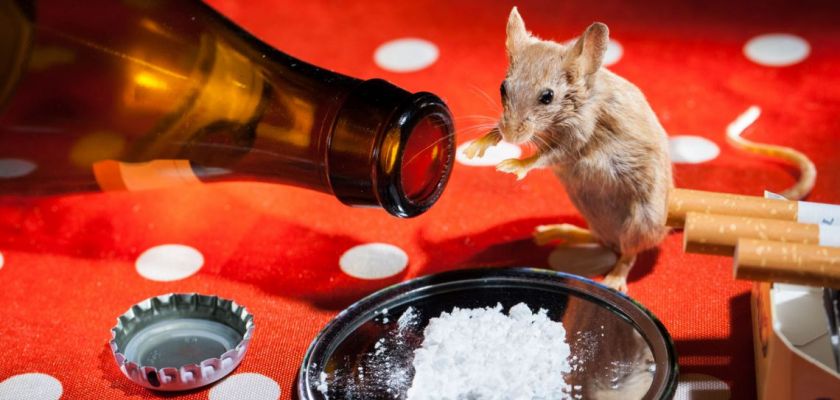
column 425, row 150
column 424, row 159
column 391, row 149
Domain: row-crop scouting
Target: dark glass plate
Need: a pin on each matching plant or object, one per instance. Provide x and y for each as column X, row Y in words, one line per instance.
column 619, row 350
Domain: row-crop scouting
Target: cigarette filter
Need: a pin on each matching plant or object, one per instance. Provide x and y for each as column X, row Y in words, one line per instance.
column 804, row 264
column 718, row 234
column 683, row 201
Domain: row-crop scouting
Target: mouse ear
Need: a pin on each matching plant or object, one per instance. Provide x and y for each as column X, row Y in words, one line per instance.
column 588, row 52
column 517, row 36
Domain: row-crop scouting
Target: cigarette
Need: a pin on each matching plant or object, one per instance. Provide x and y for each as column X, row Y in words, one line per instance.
column 804, row 264
column 683, row 201
column 718, row 234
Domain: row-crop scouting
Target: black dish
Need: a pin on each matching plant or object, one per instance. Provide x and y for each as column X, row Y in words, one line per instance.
column 620, row 349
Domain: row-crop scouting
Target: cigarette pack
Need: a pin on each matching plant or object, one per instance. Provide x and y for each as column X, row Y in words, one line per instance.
column 793, row 354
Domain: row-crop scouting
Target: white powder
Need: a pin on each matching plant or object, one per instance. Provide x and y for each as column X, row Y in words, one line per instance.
column 382, row 372
column 483, row 354
column 323, row 387
column 407, row 319
column 468, row 354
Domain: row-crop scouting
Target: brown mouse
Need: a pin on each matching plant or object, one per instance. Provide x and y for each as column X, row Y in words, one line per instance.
column 596, row 131
column 600, row 136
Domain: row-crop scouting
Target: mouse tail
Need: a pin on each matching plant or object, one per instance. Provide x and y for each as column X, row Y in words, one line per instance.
column 807, row 170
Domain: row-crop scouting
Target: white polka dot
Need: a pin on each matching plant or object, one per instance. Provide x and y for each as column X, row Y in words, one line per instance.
column 613, row 53
column 15, row 167
column 406, row 55
column 169, row 262
column 31, row 386
column 246, row 386
column 373, row 261
column 701, row 387
column 692, row 149
column 777, row 49
column 584, row 260
column 492, row 156
column 1, row 260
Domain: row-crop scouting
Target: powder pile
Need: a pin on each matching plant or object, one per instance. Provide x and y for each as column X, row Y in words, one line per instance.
column 483, row 354
column 382, row 373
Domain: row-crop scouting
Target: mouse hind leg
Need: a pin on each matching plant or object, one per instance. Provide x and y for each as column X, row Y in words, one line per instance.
column 617, row 277
column 568, row 233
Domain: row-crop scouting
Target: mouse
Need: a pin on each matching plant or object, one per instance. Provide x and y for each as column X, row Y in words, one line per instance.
column 599, row 135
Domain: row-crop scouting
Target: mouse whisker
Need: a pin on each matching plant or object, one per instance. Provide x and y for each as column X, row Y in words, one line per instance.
column 553, row 144
column 423, row 150
column 477, row 128
column 492, row 103
column 476, row 118
column 482, row 124
column 540, row 144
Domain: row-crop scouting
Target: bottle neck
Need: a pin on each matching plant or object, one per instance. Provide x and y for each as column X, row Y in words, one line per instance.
column 368, row 143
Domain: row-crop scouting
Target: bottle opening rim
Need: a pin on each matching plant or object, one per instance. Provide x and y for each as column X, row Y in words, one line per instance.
column 425, row 155
column 390, row 148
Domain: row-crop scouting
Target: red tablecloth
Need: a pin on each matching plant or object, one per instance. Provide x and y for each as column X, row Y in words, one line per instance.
column 69, row 264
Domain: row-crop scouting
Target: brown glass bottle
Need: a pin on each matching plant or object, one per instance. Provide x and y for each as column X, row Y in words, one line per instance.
column 129, row 95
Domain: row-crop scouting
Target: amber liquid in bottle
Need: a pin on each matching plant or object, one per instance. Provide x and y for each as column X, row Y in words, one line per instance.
column 132, row 95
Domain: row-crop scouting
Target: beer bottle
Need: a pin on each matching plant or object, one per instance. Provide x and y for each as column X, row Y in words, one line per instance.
column 142, row 94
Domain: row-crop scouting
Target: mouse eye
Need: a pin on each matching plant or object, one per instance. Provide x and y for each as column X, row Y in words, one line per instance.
column 546, row 96
column 503, row 90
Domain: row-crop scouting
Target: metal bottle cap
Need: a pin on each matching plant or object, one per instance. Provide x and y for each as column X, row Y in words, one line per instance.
column 181, row 341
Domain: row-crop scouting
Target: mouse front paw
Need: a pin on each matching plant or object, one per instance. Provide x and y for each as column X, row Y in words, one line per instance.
column 479, row 146
column 519, row 168
column 475, row 149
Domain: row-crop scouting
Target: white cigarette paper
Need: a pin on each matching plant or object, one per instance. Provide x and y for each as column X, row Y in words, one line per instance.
column 829, row 236
column 818, row 213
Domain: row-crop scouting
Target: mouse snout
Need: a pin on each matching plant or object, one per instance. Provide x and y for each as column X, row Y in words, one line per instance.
column 516, row 132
